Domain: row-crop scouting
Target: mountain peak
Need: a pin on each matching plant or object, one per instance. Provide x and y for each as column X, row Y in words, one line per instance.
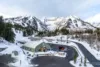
column 71, row 22
column 27, row 21
column 73, row 17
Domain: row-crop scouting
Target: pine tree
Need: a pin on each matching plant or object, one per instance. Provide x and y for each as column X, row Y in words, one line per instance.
column 6, row 31
column 9, row 35
column 2, row 26
column 24, row 33
column 64, row 31
column 75, row 57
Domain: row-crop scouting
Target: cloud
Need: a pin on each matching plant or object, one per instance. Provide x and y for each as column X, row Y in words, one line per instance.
column 49, row 8
column 11, row 11
column 95, row 18
column 85, row 4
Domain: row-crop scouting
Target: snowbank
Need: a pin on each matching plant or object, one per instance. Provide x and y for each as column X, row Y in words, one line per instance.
column 94, row 52
column 51, row 53
column 21, row 59
column 80, row 54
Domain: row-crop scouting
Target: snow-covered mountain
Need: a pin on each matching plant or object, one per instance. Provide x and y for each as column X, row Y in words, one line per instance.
column 96, row 24
column 52, row 23
column 71, row 22
column 28, row 21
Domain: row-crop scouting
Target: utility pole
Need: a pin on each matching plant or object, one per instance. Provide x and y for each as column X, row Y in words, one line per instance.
column 61, row 39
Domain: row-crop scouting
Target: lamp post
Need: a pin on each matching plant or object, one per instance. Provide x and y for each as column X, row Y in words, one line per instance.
column 67, row 38
column 61, row 39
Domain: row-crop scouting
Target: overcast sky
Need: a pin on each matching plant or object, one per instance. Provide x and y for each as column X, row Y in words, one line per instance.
column 50, row 8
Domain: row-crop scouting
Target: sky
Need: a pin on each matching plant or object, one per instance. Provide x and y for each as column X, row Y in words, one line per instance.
column 85, row 9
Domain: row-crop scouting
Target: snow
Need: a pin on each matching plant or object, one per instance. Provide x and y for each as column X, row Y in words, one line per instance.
column 19, row 36
column 94, row 18
column 53, row 23
column 33, row 44
column 2, row 45
column 61, row 22
column 51, row 53
column 81, row 55
column 22, row 61
column 20, row 20
column 21, row 58
column 77, row 64
column 94, row 52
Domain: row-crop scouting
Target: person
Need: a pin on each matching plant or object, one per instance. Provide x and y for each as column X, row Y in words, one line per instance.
column 20, row 62
column 44, row 49
column 16, row 43
column 37, row 55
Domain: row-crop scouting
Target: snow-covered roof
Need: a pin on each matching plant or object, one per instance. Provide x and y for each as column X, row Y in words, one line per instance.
column 33, row 44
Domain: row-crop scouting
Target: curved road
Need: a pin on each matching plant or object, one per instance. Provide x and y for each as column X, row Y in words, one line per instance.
column 52, row 61
column 88, row 55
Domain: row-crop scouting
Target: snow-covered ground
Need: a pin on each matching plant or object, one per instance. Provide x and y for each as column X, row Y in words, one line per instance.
column 19, row 36
column 52, row 53
column 80, row 59
column 63, row 38
column 94, row 52
column 21, row 58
